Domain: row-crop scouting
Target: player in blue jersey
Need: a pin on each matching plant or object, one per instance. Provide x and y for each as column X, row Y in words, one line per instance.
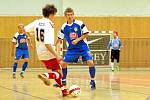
column 20, row 40
column 75, row 32
column 115, row 46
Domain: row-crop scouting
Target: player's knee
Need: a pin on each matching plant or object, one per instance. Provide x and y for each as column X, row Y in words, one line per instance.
column 16, row 61
column 90, row 63
column 58, row 75
column 59, row 71
column 117, row 61
column 112, row 60
column 64, row 65
column 26, row 60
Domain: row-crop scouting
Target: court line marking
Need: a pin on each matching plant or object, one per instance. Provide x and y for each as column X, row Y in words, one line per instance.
column 22, row 93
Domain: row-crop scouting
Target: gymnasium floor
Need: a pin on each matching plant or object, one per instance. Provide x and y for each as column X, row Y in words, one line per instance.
column 123, row 85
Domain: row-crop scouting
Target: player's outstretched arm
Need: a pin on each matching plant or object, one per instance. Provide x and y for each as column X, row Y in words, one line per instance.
column 85, row 35
column 29, row 29
column 30, row 34
column 109, row 44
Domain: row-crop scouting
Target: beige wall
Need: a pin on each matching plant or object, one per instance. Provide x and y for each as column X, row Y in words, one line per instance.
column 134, row 32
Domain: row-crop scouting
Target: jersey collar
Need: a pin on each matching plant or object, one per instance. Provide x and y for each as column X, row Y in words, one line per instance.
column 21, row 33
column 71, row 23
column 48, row 20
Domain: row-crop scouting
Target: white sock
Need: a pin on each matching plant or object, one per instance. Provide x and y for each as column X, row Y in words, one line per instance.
column 117, row 64
column 112, row 66
column 47, row 75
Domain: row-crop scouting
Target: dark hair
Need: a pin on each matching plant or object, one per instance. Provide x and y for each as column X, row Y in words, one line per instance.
column 68, row 10
column 49, row 9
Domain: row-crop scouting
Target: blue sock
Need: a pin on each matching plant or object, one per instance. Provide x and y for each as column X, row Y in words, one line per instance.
column 24, row 66
column 64, row 71
column 92, row 71
column 15, row 67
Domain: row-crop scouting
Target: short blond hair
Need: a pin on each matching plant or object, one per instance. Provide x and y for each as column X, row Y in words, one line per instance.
column 68, row 10
column 20, row 25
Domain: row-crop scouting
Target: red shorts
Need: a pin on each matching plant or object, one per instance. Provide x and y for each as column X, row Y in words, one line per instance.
column 51, row 64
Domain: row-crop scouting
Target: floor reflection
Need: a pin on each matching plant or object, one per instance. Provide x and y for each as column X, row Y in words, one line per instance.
column 20, row 90
column 115, row 86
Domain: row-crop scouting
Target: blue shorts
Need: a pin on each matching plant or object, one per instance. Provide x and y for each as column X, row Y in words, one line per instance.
column 73, row 56
column 21, row 54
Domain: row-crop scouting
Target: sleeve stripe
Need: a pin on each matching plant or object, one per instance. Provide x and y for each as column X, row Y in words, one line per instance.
column 15, row 38
column 85, row 33
column 82, row 26
column 62, row 31
column 60, row 38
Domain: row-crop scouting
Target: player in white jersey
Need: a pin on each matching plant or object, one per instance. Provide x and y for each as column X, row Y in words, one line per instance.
column 44, row 38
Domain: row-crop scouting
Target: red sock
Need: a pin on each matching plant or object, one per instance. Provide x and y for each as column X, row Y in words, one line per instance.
column 57, row 76
column 59, row 80
column 52, row 75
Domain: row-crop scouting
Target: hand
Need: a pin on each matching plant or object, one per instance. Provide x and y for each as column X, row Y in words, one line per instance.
column 74, row 42
column 59, row 58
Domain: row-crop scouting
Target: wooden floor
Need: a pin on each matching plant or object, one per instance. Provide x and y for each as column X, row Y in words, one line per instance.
column 123, row 85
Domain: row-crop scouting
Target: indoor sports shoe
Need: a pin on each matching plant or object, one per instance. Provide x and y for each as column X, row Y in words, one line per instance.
column 93, row 85
column 21, row 75
column 56, row 85
column 44, row 79
column 14, row 76
column 63, row 82
column 65, row 92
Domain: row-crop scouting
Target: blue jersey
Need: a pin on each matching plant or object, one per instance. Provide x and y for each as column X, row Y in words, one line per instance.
column 72, row 31
column 21, row 41
column 115, row 44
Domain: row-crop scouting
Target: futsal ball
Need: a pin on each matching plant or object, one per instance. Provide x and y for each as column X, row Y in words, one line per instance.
column 75, row 90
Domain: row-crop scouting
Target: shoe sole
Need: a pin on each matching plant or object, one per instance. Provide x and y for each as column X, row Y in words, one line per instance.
column 44, row 79
column 21, row 76
column 14, row 76
column 64, row 95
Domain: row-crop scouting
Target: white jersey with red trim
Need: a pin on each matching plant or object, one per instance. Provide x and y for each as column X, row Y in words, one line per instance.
column 44, row 34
